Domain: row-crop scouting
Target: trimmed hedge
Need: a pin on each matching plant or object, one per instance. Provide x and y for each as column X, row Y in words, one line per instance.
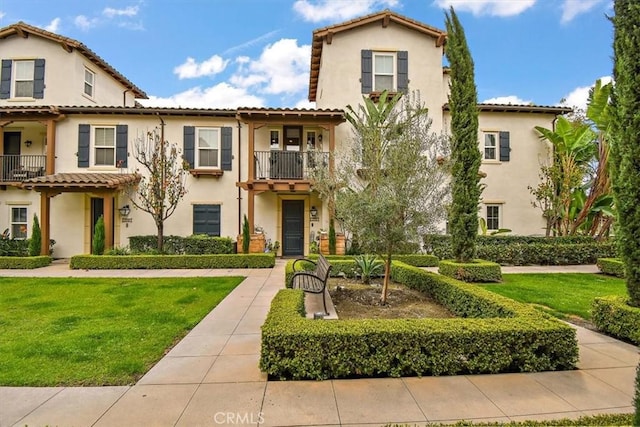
column 611, row 266
column 614, row 316
column 585, row 420
column 477, row 271
column 95, row 262
column 27, row 262
column 498, row 335
column 178, row 245
column 528, row 250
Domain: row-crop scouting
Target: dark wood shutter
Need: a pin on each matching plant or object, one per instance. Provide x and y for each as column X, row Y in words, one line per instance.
column 227, row 146
column 38, row 79
column 505, row 149
column 122, row 146
column 84, row 142
column 189, row 145
column 366, row 77
column 403, row 71
column 206, row 219
column 5, row 79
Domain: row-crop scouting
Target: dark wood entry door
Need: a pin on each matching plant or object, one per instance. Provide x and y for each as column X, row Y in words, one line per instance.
column 11, row 157
column 292, row 227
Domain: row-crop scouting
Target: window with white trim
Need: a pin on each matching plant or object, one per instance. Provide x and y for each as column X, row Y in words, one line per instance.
column 89, row 80
column 490, row 151
column 493, row 217
column 208, row 148
column 23, row 78
column 19, row 222
column 384, row 72
column 104, row 145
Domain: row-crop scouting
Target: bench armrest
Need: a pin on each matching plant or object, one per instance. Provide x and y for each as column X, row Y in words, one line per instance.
column 302, row 260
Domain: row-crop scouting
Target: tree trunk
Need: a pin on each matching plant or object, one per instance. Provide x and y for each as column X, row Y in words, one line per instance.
column 385, row 283
column 160, row 236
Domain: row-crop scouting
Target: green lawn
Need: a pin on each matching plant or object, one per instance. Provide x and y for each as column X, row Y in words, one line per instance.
column 560, row 294
column 91, row 331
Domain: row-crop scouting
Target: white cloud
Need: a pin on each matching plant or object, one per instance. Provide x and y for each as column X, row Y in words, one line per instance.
column 110, row 12
column 84, row 23
column 577, row 98
column 304, row 103
column 53, row 26
column 2, row 14
column 191, row 69
column 283, row 67
column 511, row 99
column 488, row 7
column 221, row 95
column 338, row 10
column 252, row 42
column 573, row 8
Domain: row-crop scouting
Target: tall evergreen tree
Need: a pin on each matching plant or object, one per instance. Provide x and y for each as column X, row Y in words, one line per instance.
column 36, row 238
column 465, row 155
column 625, row 139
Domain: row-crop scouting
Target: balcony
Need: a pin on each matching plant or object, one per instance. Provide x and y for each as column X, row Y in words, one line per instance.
column 287, row 165
column 18, row 168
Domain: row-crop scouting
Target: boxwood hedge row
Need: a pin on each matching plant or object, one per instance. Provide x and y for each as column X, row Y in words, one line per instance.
column 611, row 266
column 613, row 316
column 24, row 262
column 179, row 245
column 494, row 334
column 91, row 262
column 478, row 271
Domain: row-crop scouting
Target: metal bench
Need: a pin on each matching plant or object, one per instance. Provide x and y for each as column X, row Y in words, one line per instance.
column 314, row 281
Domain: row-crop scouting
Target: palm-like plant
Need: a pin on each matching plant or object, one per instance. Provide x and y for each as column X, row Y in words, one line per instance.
column 368, row 266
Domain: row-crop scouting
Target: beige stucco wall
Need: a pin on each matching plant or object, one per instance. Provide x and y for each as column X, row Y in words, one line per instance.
column 64, row 75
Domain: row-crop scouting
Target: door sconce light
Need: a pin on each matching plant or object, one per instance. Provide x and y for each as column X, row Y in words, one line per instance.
column 313, row 211
column 320, row 138
column 28, row 143
column 125, row 210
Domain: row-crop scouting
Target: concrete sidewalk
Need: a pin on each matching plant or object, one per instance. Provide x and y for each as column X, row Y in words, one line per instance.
column 212, row 378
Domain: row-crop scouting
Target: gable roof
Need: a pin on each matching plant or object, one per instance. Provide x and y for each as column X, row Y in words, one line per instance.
column 384, row 18
column 21, row 29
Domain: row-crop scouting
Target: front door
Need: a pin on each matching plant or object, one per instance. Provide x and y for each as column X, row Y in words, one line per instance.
column 292, row 227
column 11, row 157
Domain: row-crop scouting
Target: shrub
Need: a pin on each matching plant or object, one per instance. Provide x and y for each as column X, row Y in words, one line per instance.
column 246, row 235
column 611, row 266
column 332, row 237
column 150, row 262
column 14, row 247
column 368, row 266
column 636, row 398
column 178, row 245
column 511, row 337
column 36, row 238
column 614, row 316
column 13, row 262
column 98, row 237
column 118, row 251
column 478, row 271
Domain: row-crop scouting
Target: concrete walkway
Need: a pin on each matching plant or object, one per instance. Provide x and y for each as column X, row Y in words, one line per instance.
column 212, row 378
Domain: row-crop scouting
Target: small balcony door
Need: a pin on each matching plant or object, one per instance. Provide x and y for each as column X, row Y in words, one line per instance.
column 11, row 157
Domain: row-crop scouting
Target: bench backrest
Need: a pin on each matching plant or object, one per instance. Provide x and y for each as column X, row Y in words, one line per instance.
column 323, row 268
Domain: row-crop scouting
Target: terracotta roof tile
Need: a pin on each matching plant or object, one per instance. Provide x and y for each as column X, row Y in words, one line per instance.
column 87, row 180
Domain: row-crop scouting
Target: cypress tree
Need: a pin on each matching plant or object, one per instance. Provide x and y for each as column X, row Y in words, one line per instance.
column 625, row 139
column 246, row 235
column 98, row 237
column 36, row 238
column 465, row 154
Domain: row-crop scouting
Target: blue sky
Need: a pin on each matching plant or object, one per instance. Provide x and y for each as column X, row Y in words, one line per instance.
column 231, row 53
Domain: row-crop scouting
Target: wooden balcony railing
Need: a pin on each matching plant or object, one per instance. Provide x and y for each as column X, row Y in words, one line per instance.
column 277, row 164
column 18, row 168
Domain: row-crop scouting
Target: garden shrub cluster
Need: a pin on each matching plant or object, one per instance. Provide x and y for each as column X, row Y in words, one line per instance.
column 614, row 316
column 179, row 245
column 611, row 266
column 494, row 334
column 606, row 420
column 24, row 262
column 478, row 271
column 528, row 250
column 95, row 262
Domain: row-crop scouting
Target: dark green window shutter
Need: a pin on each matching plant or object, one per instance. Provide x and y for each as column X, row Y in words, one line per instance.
column 402, row 59
column 38, row 79
column 227, row 145
column 122, row 148
column 189, row 145
column 505, row 149
column 84, row 142
column 366, row 78
column 5, row 79
column 206, row 219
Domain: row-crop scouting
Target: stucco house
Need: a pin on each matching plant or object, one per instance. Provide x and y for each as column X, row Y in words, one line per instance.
column 69, row 122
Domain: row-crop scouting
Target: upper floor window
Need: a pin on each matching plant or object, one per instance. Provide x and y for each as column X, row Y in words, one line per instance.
column 384, row 75
column 208, row 149
column 490, row 145
column 384, row 71
column 19, row 222
column 89, row 79
column 104, row 146
column 23, row 78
